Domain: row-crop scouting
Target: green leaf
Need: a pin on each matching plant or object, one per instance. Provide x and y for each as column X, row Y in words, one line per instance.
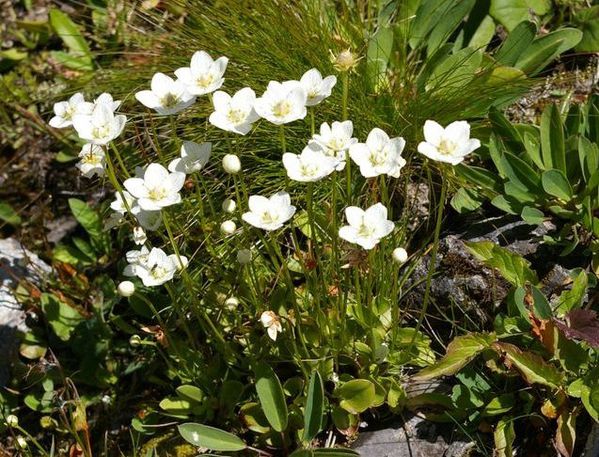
column 499, row 405
column 379, row 51
column 80, row 63
column 531, row 366
column 479, row 176
column 587, row 21
column 565, row 435
column 209, row 437
column 532, row 215
column 546, row 48
column 69, row 33
column 552, row 139
column 356, row 395
column 62, row 318
column 466, row 200
column 512, row 266
column 556, row 184
column 326, row 452
column 520, row 173
column 8, row 214
column 540, row 304
column 448, row 24
column 517, row 41
column 314, row 410
column 504, row 437
column 176, row 406
column 91, row 222
column 272, row 397
column 454, row 71
column 191, row 393
column 459, row 353
column 512, row 12
column 572, row 299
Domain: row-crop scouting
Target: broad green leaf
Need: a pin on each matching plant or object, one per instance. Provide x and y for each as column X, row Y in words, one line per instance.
column 552, row 139
column 191, row 393
column 512, row 266
column 520, row 173
column 272, row 397
column 69, row 33
column 499, row 405
column 588, row 154
column 91, row 222
column 484, row 33
column 356, row 395
column 448, row 24
column 466, row 200
column 504, row 437
column 531, row 366
column 532, row 215
column 532, row 145
column 378, row 54
column 8, row 214
column 516, row 43
column 512, row 12
column 556, row 184
column 540, row 304
column 428, row 15
column 454, row 71
column 314, row 410
column 572, row 299
column 326, row 452
column 176, row 406
column 546, row 48
column 209, row 437
column 506, row 132
column 62, row 318
column 587, row 21
column 479, row 176
column 80, row 63
column 459, row 353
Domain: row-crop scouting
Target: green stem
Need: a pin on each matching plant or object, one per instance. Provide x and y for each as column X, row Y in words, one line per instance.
column 120, row 160
column 433, row 259
column 282, row 137
column 312, row 122
column 345, row 81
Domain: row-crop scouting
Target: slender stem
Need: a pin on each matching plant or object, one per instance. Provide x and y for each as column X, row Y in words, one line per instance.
column 120, row 160
column 348, row 177
column 433, row 259
column 116, row 184
column 345, row 81
column 282, row 136
column 312, row 122
column 171, row 238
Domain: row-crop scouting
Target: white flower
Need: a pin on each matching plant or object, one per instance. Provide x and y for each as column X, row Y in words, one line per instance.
column 269, row 213
column 282, row 102
column 271, row 323
column 366, row 228
column 157, row 189
column 101, row 126
column 22, row 442
column 450, row 144
column 126, row 288
column 231, row 303
column 119, row 206
column 91, row 160
column 231, row 164
column 65, row 111
column 204, row 75
column 12, row 420
column 193, row 158
column 336, row 139
column 317, row 88
column 136, row 258
column 228, row 227
column 139, row 236
column 380, row 155
column 309, row 166
column 167, row 95
column 400, row 255
column 158, row 268
column 234, row 114
column 106, row 99
column 229, row 205
column 244, row 256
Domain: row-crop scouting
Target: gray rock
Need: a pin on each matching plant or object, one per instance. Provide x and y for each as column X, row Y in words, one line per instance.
column 16, row 263
column 415, row 437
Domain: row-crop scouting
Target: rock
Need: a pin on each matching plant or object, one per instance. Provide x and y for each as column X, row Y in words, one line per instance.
column 16, row 263
column 415, row 437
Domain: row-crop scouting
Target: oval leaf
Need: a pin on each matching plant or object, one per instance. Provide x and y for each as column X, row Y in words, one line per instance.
column 356, row 395
column 272, row 397
column 209, row 437
column 314, row 407
column 555, row 183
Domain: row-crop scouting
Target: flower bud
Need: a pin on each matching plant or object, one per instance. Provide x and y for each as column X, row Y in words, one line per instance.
column 229, row 205
column 228, row 227
column 135, row 340
column 139, row 236
column 12, row 420
column 231, row 164
column 22, row 442
column 126, row 288
column 231, row 303
column 400, row 255
column 345, row 60
column 244, row 256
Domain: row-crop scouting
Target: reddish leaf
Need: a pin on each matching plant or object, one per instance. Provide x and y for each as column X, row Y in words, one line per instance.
column 581, row 324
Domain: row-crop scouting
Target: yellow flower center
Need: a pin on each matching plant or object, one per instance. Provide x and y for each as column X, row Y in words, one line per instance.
column 365, row 231
column 101, row 131
column 91, row 159
column 281, row 109
column 235, row 116
column 268, row 218
column 169, row 100
column 446, row 147
column 157, row 193
column 205, row 80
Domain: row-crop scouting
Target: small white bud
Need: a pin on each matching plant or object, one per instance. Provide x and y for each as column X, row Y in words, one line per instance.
column 22, row 442
column 126, row 288
column 244, row 256
column 229, row 205
column 231, row 164
column 139, row 236
column 228, row 227
column 231, row 303
column 400, row 255
column 135, row 340
column 12, row 420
